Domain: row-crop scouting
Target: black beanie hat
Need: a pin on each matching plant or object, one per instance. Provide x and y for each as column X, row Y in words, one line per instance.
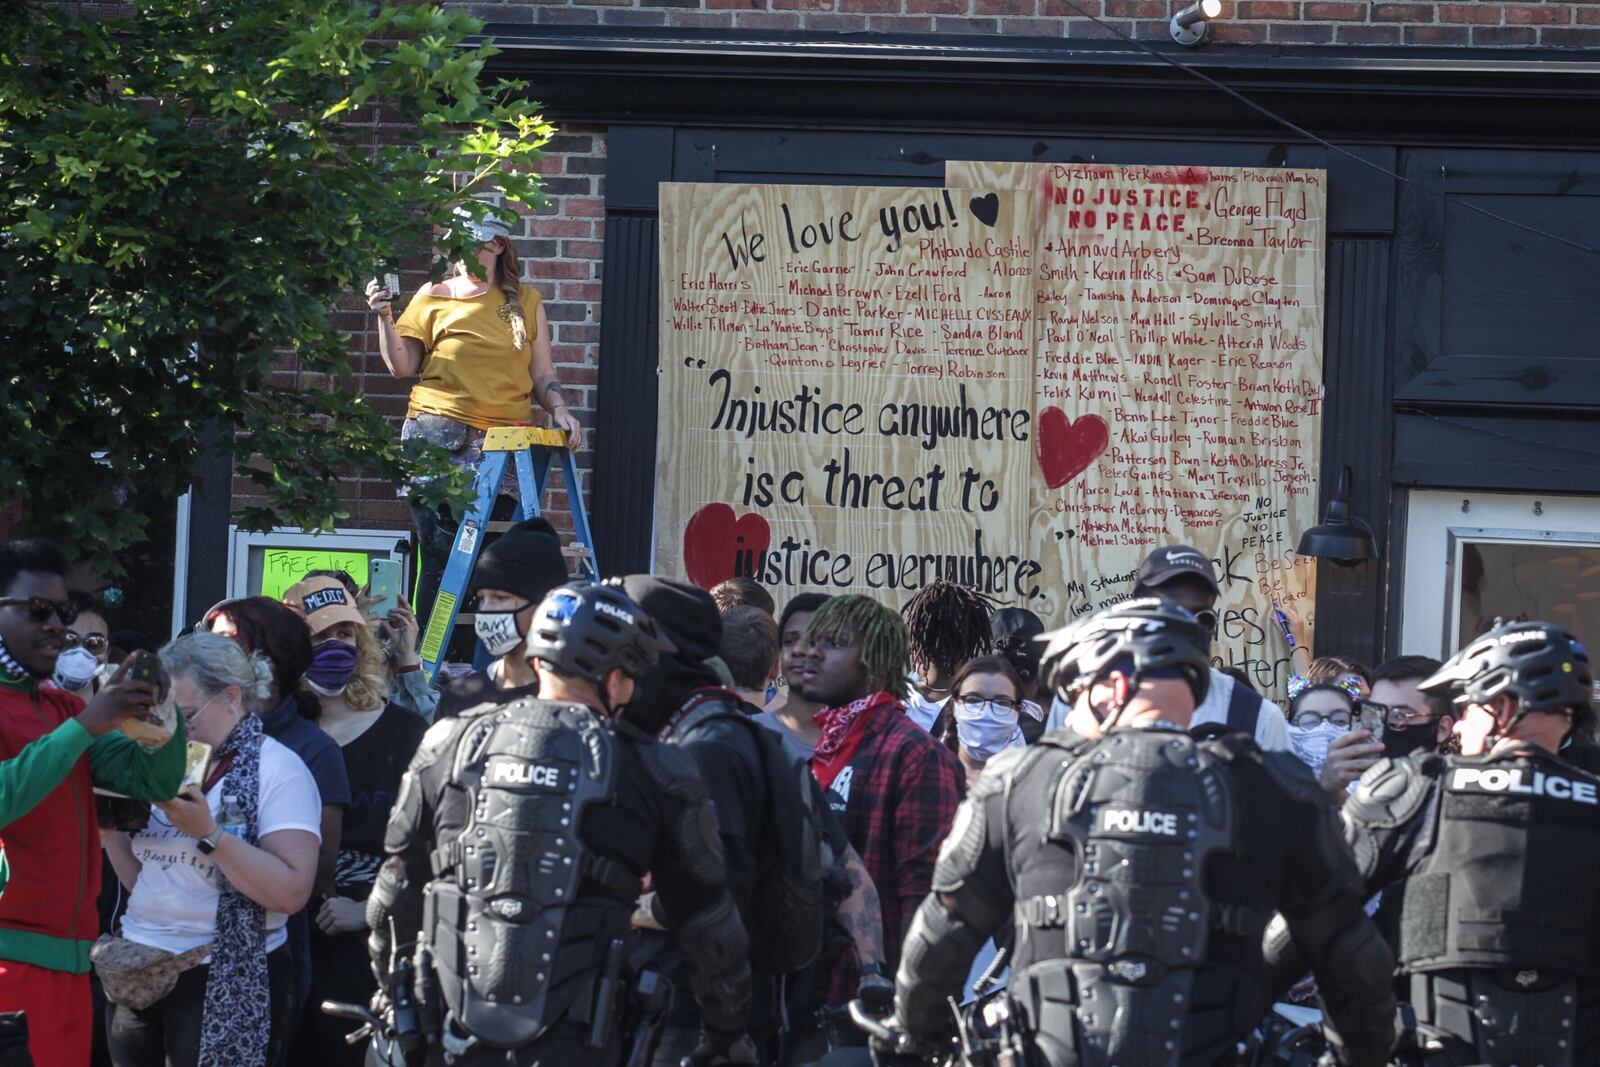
column 685, row 613
column 525, row 560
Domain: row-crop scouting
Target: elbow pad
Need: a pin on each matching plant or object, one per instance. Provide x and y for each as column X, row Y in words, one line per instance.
column 1286, row 964
column 1356, row 979
column 934, row 961
column 719, row 962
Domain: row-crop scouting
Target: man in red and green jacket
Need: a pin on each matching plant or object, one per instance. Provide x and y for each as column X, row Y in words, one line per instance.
column 53, row 751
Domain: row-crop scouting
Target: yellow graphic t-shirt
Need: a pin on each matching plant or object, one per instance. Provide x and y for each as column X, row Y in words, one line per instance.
column 470, row 372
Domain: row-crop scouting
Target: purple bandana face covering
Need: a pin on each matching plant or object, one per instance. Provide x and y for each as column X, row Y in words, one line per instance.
column 332, row 665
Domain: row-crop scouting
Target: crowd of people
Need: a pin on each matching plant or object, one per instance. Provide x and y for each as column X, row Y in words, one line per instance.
column 668, row 824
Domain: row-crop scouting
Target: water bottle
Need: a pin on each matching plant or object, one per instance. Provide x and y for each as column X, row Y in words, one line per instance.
column 232, row 820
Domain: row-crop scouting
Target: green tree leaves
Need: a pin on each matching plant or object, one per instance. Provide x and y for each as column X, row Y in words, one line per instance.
column 187, row 194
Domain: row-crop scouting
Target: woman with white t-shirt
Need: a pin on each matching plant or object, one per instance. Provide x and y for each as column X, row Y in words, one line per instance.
column 195, row 883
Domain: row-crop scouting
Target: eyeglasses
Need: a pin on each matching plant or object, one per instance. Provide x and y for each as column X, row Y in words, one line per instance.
column 95, row 643
column 1310, row 720
column 1399, row 716
column 978, row 700
column 40, row 608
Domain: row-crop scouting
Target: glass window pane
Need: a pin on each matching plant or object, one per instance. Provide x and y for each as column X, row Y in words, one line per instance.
column 1529, row 580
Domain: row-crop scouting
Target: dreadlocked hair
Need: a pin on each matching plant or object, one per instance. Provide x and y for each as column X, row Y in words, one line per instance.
column 949, row 624
column 880, row 633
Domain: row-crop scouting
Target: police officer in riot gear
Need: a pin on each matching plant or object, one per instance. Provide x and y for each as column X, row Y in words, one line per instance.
column 517, row 848
column 1496, row 857
column 1140, row 865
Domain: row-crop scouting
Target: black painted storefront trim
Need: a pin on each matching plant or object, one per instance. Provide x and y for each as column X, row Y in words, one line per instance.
column 825, row 108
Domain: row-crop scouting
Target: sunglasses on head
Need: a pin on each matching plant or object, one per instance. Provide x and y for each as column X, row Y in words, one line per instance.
column 40, row 608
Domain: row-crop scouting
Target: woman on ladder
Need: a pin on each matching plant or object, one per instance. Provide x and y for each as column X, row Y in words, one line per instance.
column 482, row 349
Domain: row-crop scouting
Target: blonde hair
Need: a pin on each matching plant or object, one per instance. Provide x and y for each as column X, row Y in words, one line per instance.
column 369, row 686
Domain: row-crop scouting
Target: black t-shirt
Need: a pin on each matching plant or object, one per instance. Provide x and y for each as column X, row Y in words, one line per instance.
column 375, row 762
column 477, row 688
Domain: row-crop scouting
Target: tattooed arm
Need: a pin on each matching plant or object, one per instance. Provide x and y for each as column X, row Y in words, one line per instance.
column 861, row 913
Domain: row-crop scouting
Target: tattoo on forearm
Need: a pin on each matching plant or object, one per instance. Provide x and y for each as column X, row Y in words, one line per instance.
column 861, row 914
column 549, row 390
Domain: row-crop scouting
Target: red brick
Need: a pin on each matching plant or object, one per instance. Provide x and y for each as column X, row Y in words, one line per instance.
column 1569, row 37
column 767, row 20
column 1500, row 36
column 1137, row 9
column 1402, row 12
column 1300, row 32
column 1337, row 12
column 1538, row 14
column 1056, row 8
column 877, row 6
column 1247, row 10
column 1436, row 35
column 1037, row 27
column 802, row 5
column 1480, row 14
column 1588, row 16
column 1229, row 32
column 935, row 7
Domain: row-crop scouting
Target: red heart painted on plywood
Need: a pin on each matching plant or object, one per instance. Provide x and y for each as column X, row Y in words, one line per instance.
column 1066, row 448
column 714, row 542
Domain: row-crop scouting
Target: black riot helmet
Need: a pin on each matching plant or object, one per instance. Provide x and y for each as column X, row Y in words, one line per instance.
column 1542, row 666
column 1144, row 636
column 587, row 630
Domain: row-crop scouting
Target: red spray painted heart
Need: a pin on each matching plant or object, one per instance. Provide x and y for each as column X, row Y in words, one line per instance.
column 1066, row 448
column 714, row 542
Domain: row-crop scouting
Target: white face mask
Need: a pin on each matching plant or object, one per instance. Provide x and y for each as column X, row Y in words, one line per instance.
column 921, row 710
column 1311, row 746
column 498, row 630
column 76, row 668
column 986, row 730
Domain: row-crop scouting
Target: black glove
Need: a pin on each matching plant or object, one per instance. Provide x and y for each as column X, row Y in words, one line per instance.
column 715, row 1049
column 898, row 1048
column 876, row 994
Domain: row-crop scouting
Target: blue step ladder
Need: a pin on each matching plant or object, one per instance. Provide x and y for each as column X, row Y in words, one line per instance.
column 534, row 450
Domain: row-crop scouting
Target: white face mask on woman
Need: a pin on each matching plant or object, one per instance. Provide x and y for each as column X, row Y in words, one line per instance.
column 985, row 729
column 76, row 668
column 1311, row 746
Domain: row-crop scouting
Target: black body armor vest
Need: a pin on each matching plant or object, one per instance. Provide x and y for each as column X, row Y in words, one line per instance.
column 514, row 946
column 1511, row 880
column 1144, row 810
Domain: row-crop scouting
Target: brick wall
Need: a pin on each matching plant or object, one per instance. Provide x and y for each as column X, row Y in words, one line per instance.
column 1568, row 24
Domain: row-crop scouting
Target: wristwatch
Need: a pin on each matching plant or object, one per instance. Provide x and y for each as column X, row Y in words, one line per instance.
column 208, row 844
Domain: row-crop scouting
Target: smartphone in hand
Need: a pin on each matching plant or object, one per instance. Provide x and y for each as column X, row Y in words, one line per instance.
column 198, row 759
column 146, row 668
column 391, row 282
column 384, row 587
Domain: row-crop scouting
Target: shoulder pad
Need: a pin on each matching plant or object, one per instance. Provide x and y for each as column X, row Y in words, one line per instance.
column 435, row 743
column 673, row 771
column 1390, row 793
column 1063, row 738
column 1293, row 777
column 1229, row 745
column 1001, row 766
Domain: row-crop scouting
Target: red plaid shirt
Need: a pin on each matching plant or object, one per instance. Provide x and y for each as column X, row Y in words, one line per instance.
column 896, row 800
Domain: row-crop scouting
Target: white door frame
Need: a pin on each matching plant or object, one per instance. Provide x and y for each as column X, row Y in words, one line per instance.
column 1439, row 521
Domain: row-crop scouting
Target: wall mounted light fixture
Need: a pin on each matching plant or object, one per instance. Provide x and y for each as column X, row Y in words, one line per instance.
column 1189, row 26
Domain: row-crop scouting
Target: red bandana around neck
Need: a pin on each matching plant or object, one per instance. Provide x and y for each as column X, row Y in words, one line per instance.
column 842, row 734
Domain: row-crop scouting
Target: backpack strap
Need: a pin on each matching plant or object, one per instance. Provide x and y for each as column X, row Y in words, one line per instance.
column 1244, row 709
column 701, row 706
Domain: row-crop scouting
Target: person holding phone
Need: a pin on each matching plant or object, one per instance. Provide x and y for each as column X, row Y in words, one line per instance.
column 54, row 749
column 221, row 865
column 481, row 351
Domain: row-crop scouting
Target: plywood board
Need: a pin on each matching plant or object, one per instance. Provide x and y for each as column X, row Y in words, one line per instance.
column 846, row 389
column 1178, row 384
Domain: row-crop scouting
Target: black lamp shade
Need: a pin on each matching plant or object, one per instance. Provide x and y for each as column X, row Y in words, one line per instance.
column 1338, row 536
